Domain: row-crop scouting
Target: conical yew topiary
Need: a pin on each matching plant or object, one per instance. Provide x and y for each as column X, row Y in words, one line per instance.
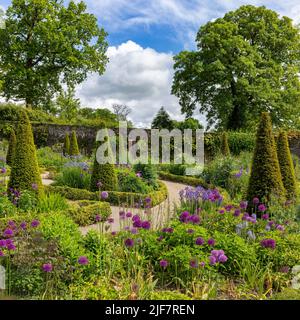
column 11, row 148
column 74, row 151
column 66, row 147
column 25, row 173
column 105, row 173
column 286, row 165
column 224, row 145
column 265, row 180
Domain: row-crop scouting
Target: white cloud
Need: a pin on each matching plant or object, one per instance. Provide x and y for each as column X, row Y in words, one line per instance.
column 138, row 77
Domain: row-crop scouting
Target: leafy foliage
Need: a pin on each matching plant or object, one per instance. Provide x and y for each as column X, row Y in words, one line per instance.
column 244, row 59
column 11, row 148
column 74, row 151
column 66, row 147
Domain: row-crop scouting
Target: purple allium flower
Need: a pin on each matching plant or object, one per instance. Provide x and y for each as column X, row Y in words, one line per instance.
column 99, row 184
column 83, row 260
column 8, row 233
column 255, row 201
column 160, row 238
column 110, row 220
column 10, row 247
column 163, row 263
column 148, row 200
column 146, row 225
column 245, row 216
column 136, row 218
column 104, row 195
column 212, row 260
column 190, row 231
column 134, row 230
column 280, row 227
column 138, row 224
column 243, row 204
column 194, row 263
column 35, row 223
column 128, row 214
column 268, row 243
column 11, row 224
column 222, row 258
column 98, row 218
column 3, row 170
column 23, row 225
column 184, row 216
column 170, row 230
column 114, row 233
column 139, row 174
column 129, row 243
column 2, row 243
column 262, row 208
column 195, row 219
column 228, row 207
column 34, row 186
column 222, row 211
column 47, row 267
column 211, row 242
column 202, row 264
column 237, row 213
column 199, row 241
column 126, row 228
column 265, row 216
column 122, row 214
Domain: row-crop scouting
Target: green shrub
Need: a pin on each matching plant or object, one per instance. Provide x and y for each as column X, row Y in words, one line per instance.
column 51, row 202
column 105, row 174
column 224, row 145
column 25, row 171
column 129, row 182
column 6, row 207
column 114, row 197
column 148, row 172
column 286, row 165
column 73, row 177
column 74, row 151
column 287, row 294
column 84, row 215
column 11, row 148
column 265, row 179
column 66, row 147
column 49, row 159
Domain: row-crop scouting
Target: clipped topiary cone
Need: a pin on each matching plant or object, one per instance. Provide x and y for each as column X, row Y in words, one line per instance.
column 66, row 147
column 224, row 145
column 11, row 148
column 265, row 180
column 74, row 150
column 25, row 174
column 286, row 165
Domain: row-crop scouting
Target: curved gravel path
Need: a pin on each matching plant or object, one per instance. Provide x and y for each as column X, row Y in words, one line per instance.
column 160, row 214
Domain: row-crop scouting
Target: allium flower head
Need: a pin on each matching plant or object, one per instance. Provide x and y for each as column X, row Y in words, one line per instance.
column 83, row 260
column 268, row 243
column 200, row 241
column 146, row 225
column 23, row 225
column 255, row 201
column 244, row 205
column 164, row 263
column 265, row 216
column 194, row 263
column 211, row 242
column 104, row 195
column 262, row 208
column 35, row 223
column 47, row 267
column 8, row 233
column 129, row 243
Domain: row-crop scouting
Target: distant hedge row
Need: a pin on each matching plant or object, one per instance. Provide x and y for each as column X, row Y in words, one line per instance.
column 114, row 197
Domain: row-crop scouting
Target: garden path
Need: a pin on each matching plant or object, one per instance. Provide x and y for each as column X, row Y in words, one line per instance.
column 160, row 214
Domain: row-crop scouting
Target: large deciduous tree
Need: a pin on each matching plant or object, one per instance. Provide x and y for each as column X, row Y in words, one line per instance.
column 246, row 63
column 45, row 44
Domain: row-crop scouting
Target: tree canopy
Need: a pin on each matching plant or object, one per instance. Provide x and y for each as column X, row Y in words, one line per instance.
column 246, row 63
column 45, row 44
column 162, row 120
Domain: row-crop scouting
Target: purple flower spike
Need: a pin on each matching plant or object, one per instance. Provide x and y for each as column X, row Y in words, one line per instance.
column 164, row 263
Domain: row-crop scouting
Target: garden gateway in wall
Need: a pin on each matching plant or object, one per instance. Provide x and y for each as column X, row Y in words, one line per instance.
column 133, row 147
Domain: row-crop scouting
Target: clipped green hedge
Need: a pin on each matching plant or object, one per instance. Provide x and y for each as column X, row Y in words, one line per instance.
column 114, row 197
column 84, row 212
column 191, row 181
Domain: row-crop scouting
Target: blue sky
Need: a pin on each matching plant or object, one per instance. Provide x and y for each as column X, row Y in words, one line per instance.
column 143, row 36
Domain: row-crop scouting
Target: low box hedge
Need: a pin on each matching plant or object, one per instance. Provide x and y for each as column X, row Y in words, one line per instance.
column 84, row 212
column 188, row 180
column 114, row 197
